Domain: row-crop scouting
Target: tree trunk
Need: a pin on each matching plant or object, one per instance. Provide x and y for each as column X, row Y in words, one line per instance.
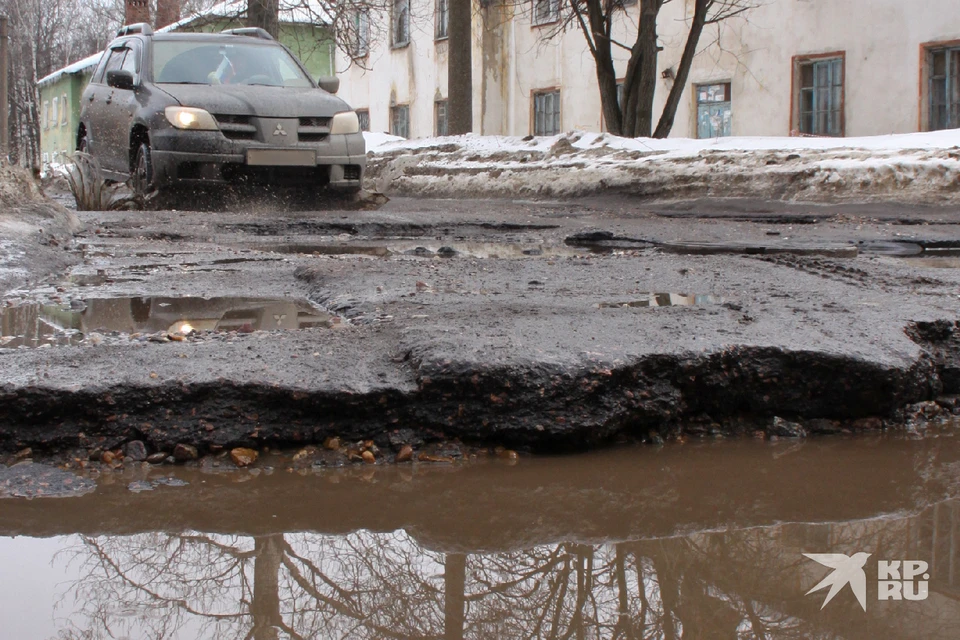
column 683, row 70
column 459, row 68
column 641, row 81
column 264, row 14
column 454, row 596
column 596, row 30
column 265, row 608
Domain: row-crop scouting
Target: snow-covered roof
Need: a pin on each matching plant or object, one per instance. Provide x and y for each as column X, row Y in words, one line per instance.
column 77, row 67
column 291, row 12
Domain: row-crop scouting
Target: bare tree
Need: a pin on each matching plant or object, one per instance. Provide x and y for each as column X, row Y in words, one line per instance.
column 631, row 114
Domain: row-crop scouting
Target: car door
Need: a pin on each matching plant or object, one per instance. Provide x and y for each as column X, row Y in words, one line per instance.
column 99, row 106
column 121, row 109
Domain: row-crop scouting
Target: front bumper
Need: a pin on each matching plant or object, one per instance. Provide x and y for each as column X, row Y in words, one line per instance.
column 199, row 158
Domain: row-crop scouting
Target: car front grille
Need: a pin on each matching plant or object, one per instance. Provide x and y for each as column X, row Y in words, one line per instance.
column 313, row 129
column 236, row 127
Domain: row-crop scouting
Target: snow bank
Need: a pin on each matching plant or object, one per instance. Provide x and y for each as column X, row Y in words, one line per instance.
column 913, row 167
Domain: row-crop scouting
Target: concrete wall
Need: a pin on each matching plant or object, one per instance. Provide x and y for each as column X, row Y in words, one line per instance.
column 880, row 40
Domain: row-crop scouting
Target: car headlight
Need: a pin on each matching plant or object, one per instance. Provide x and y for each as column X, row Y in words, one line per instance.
column 190, row 118
column 345, row 122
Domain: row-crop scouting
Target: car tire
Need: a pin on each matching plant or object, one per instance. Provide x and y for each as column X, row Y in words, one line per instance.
column 141, row 176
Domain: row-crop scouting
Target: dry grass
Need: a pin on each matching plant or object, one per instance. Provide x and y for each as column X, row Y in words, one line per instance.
column 91, row 191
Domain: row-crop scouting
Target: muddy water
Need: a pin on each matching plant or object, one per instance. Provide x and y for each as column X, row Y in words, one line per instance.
column 697, row 540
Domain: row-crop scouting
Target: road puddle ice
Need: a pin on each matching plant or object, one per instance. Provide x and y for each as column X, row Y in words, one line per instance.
column 663, row 300
column 37, row 324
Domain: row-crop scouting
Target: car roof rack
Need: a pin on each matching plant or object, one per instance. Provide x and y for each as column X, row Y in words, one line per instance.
column 139, row 27
column 253, row 32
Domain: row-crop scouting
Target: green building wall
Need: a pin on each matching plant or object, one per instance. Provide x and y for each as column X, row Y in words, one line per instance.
column 312, row 44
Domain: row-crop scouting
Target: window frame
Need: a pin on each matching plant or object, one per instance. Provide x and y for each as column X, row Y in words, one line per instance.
column 359, row 46
column 398, row 9
column 552, row 17
column 927, row 49
column 795, row 87
column 63, row 109
column 394, row 111
column 441, row 18
column 537, row 93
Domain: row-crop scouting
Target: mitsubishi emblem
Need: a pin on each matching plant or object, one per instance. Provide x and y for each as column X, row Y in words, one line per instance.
column 279, row 130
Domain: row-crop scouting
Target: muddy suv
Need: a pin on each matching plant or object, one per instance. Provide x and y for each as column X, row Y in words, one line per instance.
column 169, row 110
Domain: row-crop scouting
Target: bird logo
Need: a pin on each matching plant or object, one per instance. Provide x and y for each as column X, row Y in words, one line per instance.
column 846, row 570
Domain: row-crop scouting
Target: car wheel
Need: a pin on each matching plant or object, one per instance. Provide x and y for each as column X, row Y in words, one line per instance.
column 141, row 178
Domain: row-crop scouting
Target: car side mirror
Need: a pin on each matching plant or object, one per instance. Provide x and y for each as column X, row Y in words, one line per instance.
column 120, row 79
column 330, row 84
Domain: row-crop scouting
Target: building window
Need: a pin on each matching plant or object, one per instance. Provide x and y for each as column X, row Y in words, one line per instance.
column 363, row 115
column 63, row 110
column 400, row 120
column 943, row 72
column 443, row 12
column 713, row 110
column 440, row 116
column 546, row 113
column 358, row 31
column 545, row 11
column 400, row 33
column 55, row 112
column 820, row 96
column 45, row 115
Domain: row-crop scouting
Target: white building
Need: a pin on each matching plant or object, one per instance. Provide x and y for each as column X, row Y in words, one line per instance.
column 822, row 67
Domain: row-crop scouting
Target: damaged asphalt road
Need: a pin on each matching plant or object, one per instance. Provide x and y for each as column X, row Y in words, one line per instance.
column 540, row 325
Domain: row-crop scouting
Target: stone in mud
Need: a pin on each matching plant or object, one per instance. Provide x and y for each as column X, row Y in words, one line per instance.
column 139, row 485
column 135, row 450
column 405, row 454
column 428, row 457
column 185, row 452
column 107, row 457
column 786, row 429
column 157, row 458
column 24, row 453
column 331, row 444
column 368, row 457
column 243, row 457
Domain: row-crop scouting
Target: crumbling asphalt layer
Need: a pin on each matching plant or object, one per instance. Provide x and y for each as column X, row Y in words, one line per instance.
column 538, row 347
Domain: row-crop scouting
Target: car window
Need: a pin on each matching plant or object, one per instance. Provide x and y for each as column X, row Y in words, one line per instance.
column 98, row 72
column 131, row 62
column 115, row 61
column 198, row 62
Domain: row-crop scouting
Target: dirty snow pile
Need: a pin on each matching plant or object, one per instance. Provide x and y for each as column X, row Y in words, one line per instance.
column 33, row 229
column 920, row 167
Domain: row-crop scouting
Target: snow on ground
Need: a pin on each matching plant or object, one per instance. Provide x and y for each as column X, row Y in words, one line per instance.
column 921, row 167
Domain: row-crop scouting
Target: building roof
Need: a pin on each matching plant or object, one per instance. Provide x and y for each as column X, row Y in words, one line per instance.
column 291, row 12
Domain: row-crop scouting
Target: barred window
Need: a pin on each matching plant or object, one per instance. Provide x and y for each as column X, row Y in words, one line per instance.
column 440, row 116
column 546, row 113
column 363, row 115
column 545, row 11
column 400, row 120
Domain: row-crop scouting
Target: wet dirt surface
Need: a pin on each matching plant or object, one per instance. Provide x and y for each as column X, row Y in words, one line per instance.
column 696, row 539
column 494, row 322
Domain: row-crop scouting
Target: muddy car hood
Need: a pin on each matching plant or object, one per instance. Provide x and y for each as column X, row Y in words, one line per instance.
column 270, row 102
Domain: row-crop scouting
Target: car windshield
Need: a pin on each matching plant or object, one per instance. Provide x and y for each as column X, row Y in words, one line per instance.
column 197, row 62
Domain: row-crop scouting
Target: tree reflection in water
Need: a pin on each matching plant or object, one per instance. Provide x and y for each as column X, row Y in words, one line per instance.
column 724, row 584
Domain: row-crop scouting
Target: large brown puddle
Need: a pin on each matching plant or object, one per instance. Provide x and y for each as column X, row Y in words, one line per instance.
column 697, row 540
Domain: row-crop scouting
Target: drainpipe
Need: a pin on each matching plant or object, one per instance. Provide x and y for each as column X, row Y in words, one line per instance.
column 4, row 100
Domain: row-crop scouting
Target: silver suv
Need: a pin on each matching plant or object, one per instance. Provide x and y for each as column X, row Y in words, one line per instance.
column 170, row 110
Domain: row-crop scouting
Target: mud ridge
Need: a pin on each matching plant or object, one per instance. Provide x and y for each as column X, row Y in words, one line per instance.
column 534, row 406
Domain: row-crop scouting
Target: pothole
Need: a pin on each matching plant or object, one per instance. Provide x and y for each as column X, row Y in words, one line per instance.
column 664, row 300
column 37, row 324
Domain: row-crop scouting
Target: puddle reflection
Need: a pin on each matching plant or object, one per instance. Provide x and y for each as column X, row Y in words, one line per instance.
column 34, row 325
column 747, row 583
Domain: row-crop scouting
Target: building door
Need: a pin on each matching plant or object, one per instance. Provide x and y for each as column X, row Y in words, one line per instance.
column 944, row 70
column 714, row 112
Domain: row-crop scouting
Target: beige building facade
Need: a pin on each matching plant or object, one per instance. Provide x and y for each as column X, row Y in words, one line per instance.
column 786, row 67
